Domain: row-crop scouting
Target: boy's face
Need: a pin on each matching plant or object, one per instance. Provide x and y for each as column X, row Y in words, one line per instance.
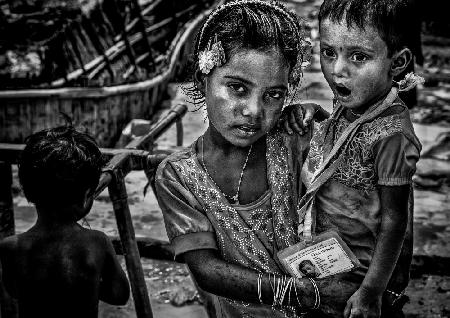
column 355, row 64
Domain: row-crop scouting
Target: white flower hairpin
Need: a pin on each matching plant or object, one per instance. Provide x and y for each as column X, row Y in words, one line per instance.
column 213, row 56
column 410, row 81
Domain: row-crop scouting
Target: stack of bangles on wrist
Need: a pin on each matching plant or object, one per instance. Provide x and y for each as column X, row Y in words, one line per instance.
column 282, row 286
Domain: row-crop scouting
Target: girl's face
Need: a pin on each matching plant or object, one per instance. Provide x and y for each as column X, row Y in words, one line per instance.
column 244, row 97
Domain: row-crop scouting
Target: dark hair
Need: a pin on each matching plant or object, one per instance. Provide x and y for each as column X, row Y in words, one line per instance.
column 59, row 165
column 392, row 19
column 258, row 25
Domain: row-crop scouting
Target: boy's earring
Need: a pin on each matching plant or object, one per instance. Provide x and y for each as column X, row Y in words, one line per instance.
column 400, row 61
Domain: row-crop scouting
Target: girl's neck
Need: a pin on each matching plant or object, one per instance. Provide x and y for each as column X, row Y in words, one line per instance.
column 215, row 143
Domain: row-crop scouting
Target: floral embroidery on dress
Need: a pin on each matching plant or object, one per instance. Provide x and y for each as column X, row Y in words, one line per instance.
column 261, row 220
column 356, row 169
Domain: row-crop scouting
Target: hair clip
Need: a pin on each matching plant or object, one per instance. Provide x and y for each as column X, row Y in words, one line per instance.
column 213, row 56
column 410, row 81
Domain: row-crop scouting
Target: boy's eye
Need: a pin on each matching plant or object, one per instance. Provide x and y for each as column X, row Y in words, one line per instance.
column 276, row 95
column 327, row 52
column 359, row 57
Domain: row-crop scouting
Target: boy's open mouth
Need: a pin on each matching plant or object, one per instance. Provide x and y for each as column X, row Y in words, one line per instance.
column 342, row 90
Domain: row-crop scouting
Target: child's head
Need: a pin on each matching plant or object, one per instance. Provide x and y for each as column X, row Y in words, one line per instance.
column 59, row 167
column 391, row 18
column 247, row 53
column 364, row 43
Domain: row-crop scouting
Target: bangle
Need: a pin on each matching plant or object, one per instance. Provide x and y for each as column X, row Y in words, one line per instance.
column 317, row 294
column 259, row 282
column 296, row 296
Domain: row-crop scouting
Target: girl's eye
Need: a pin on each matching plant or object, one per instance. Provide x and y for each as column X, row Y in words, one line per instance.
column 327, row 52
column 359, row 57
column 239, row 88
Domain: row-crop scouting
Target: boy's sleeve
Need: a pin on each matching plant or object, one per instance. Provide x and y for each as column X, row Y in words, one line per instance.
column 395, row 160
column 187, row 226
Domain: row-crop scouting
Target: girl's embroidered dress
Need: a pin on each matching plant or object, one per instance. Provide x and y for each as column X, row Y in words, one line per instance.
column 198, row 216
column 383, row 151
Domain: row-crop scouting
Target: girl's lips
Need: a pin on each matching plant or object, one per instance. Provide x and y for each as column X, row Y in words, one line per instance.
column 249, row 129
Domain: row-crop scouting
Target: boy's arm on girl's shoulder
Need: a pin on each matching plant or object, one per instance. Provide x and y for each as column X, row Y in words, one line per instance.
column 114, row 287
column 298, row 118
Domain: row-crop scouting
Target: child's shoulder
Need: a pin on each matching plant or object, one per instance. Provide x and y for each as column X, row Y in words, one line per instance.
column 166, row 168
column 395, row 120
column 93, row 236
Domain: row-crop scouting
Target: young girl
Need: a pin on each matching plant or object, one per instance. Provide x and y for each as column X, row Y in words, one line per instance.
column 229, row 200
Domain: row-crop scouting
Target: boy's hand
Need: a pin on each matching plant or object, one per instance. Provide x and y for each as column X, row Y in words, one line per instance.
column 297, row 117
column 363, row 304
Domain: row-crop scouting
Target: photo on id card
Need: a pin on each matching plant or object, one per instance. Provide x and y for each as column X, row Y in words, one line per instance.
column 327, row 255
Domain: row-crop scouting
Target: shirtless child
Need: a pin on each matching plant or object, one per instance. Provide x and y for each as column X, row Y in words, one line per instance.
column 58, row 268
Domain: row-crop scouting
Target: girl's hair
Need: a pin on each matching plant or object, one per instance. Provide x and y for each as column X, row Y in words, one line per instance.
column 59, row 165
column 395, row 20
column 253, row 24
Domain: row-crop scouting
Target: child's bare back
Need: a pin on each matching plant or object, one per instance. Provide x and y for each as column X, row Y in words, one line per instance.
column 58, row 268
column 61, row 272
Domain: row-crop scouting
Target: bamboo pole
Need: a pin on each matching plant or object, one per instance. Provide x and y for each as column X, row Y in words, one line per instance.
column 73, row 41
column 179, row 126
column 97, row 44
column 145, row 142
column 123, row 29
column 141, row 27
column 118, row 194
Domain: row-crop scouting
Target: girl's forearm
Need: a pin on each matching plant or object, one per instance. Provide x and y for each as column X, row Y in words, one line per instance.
column 240, row 283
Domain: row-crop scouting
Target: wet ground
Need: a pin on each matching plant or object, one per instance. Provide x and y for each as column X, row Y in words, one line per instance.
column 169, row 283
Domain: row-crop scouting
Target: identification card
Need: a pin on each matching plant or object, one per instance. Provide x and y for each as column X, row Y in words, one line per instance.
column 327, row 255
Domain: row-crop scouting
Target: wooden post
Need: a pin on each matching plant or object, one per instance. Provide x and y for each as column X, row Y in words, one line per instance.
column 118, row 194
column 6, row 202
column 179, row 125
